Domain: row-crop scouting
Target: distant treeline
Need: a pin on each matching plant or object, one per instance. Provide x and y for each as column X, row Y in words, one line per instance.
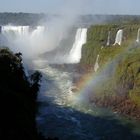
column 83, row 20
column 21, row 18
column 113, row 19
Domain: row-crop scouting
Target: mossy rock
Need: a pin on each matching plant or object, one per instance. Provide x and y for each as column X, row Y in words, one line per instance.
column 97, row 38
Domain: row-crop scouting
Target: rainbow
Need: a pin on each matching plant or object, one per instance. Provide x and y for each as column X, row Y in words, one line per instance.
column 94, row 80
column 89, row 82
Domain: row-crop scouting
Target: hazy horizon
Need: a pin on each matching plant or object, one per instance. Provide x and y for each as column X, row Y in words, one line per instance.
column 110, row 7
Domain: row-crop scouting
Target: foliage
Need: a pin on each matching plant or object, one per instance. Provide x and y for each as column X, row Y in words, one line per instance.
column 97, row 40
column 119, row 65
column 17, row 98
column 21, row 18
column 84, row 20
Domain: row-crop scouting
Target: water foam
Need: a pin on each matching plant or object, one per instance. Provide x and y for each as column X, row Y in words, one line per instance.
column 30, row 41
column 119, row 36
column 80, row 40
column 138, row 36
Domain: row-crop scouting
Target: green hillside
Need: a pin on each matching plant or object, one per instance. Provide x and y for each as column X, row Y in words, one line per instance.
column 119, row 67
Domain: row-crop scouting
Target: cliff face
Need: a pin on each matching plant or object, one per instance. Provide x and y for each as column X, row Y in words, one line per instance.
column 120, row 65
column 97, row 38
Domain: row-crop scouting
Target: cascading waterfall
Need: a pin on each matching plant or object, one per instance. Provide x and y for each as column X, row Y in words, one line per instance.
column 96, row 66
column 119, row 36
column 22, row 31
column 13, row 34
column 39, row 30
column 34, row 41
column 9, row 31
column 138, row 36
column 38, row 38
column 69, row 54
column 30, row 41
column 80, row 40
column 108, row 39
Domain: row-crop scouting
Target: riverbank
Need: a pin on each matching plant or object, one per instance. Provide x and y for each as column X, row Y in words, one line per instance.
column 116, row 84
column 120, row 105
column 69, row 117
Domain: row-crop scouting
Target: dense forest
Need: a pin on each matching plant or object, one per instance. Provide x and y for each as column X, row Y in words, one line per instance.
column 83, row 20
column 22, row 18
column 18, row 94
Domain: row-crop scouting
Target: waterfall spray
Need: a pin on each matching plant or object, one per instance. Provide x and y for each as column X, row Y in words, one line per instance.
column 138, row 36
column 119, row 36
column 11, row 32
column 30, row 41
column 108, row 39
column 96, row 66
column 80, row 40
column 34, row 41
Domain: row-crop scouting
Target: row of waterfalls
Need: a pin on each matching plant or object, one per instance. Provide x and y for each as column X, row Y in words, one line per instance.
column 119, row 37
column 118, row 41
column 33, row 40
column 38, row 35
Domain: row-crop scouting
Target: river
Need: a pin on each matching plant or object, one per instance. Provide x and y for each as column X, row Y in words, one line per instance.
column 62, row 115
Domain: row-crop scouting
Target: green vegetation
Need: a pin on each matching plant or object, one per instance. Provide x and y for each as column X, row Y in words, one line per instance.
column 84, row 20
column 21, row 18
column 119, row 87
column 97, row 39
column 128, row 71
column 17, row 98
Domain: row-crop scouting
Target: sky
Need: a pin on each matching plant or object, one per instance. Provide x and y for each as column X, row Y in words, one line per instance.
column 130, row 7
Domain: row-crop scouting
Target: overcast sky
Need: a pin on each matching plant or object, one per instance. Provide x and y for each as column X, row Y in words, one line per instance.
column 79, row 6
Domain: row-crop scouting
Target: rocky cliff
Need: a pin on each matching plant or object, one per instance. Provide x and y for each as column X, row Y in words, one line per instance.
column 119, row 67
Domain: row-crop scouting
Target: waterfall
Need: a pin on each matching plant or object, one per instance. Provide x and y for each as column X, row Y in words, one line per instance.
column 38, row 38
column 0, row 28
column 80, row 40
column 28, row 40
column 96, row 66
column 138, row 36
column 20, row 31
column 14, row 30
column 108, row 39
column 119, row 36
column 33, row 41
column 70, row 51
column 38, row 31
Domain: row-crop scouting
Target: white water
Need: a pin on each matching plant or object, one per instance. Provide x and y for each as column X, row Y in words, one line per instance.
column 30, row 41
column 96, row 66
column 34, row 41
column 80, row 40
column 71, row 53
column 108, row 39
column 63, row 116
column 55, row 90
column 138, row 36
column 21, row 31
column 119, row 36
column 16, row 30
column 62, row 81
